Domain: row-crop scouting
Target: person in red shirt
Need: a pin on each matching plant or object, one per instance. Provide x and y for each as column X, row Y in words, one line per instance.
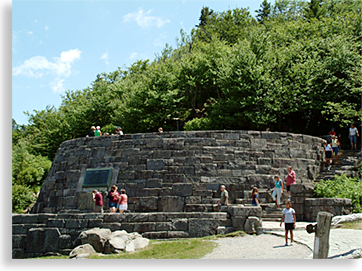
column 332, row 132
column 291, row 179
column 98, row 199
column 113, row 196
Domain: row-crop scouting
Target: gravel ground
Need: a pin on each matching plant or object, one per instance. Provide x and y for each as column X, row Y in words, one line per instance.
column 264, row 246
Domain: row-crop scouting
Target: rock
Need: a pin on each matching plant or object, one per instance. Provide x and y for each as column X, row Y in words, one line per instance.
column 118, row 242
column 346, row 218
column 130, row 247
column 140, row 243
column 82, row 249
column 96, row 237
column 252, row 224
column 42, row 240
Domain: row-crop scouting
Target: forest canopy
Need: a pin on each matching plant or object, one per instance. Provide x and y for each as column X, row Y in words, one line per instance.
column 295, row 67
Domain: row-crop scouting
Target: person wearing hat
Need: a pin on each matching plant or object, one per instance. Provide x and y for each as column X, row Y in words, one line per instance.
column 335, row 147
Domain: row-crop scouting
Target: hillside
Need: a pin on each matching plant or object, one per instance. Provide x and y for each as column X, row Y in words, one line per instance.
column 296, row 67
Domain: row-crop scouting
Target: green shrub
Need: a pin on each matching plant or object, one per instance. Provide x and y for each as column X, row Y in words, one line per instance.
column 198, row 124
column 341, row 187
column 22, row 197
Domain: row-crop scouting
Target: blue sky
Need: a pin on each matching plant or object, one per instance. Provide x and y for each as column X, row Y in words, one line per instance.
column 63, row 45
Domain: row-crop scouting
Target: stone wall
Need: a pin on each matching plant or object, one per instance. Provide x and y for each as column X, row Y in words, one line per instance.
column 307, row 208
column 37, row 234
column 178, row 171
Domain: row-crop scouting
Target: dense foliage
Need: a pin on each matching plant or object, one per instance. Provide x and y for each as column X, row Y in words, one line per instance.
column 341, row 187
column 295, row 67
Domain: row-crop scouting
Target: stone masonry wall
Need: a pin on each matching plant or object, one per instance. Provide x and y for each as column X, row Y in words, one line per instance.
column 172, row 171
column 35, row 235
column 307, row 208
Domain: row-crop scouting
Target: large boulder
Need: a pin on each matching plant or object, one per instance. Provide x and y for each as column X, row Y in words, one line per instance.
column 85, row 249
column 96, row 237
column 252, row 224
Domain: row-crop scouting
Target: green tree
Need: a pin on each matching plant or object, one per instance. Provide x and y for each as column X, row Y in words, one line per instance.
column 264, row 12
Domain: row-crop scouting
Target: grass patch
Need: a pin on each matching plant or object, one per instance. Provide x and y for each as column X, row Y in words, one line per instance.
column 356, row 225
column 190, row 248
column 179, row 249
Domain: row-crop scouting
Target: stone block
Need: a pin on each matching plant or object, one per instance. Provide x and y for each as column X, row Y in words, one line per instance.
column 41, row 240
column 164, row 226
column 95, row 223
column 154, row 183
column 238, row 222
column 65, row 242
column 128, row 227
column 76, row 223
column 178, row 234
column 148, row 204
column 171, row 204
column 154, row 143
column 114, row 226
column 202, row 227
column 55, row 223
column 19, row 240
column 155, row 164
column 144, row 227
column 183, row 189
column 173, row 143
column 180, row 224
column 193, row 200
column 155, row 235
column 202, row 193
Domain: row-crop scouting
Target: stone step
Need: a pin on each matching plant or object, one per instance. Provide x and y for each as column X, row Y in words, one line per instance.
column 201, row 208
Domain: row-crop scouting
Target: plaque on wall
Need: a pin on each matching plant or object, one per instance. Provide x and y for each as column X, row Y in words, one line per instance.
column 97, row 177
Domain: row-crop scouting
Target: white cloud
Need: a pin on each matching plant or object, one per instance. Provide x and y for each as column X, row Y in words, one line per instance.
column 133, row 55
column 144, row 19
column 30, row 32
column 105, row 57
column 160, row 41
column 46, row 27
column 38, row 66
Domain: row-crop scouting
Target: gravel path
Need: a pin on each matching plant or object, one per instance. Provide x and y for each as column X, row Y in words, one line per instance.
column 264, row 246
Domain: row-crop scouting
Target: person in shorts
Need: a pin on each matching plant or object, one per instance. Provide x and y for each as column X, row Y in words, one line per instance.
column 122, row 201
column 328, row 152
column 289, row 220
column 335, row 148
column 113, row 197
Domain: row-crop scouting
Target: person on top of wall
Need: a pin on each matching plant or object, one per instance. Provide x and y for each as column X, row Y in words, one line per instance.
column 224, row 197
column 254, row 197
column 98, row 132
column 91, row 132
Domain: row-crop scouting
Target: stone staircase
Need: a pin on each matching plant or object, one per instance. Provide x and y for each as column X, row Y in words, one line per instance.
column 347, row 164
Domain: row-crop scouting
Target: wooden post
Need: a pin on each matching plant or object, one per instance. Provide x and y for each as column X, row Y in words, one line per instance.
column 321, row 240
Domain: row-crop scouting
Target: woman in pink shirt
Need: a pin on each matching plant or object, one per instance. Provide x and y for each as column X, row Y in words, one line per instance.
column 123, row 201
column 291, row 179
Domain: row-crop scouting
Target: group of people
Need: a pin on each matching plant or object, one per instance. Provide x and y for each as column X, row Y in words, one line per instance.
column 96, row 131
column 288, row 213
column 277, row 191
column 116, row 201
column 333, row 145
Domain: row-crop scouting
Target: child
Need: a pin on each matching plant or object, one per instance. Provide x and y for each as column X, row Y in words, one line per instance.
column 254, row 197
column 328, row 151
column 289, row 221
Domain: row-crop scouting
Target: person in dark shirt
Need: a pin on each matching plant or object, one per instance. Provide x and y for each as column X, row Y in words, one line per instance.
column 91, row 132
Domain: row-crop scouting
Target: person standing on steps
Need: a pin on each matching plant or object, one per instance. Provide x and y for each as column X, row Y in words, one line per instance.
column 254, row 197
column 113, row 197
column 353, row 133
column 278, row 190
column 289, row 220
column 291, row 179
column 224, row 197
column 335, row 148
column 123, row 201
column 98, row 200
column 328, row 152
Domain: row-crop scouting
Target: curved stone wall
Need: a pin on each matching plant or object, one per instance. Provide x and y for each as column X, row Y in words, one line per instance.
column 176, row 171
